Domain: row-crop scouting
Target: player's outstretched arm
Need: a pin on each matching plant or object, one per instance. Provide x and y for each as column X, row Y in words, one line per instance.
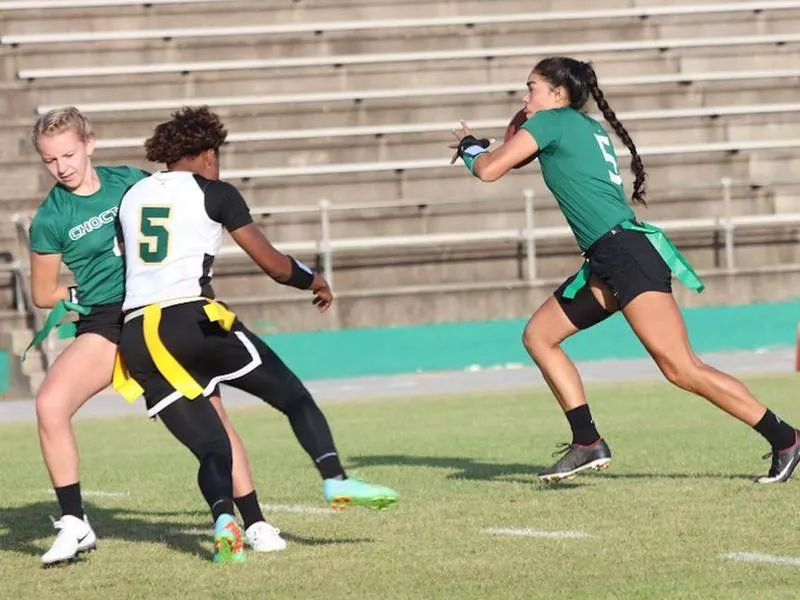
column 491, row 165
column 281, row 267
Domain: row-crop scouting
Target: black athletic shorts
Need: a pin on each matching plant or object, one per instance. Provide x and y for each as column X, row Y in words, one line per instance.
column 210, row 354
column 104, row 319
column 628, row 264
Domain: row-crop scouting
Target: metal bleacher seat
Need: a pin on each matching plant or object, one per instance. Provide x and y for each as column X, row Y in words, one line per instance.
column 266, row 29
column 360, row 96
column 438, row 163
column 63, row 4
column 389, row 58
column 442, row 126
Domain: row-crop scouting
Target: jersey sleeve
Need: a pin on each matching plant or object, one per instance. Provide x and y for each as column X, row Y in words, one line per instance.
column 44, row 234
column 136, row 174
column 224, row 204
column 545, row 127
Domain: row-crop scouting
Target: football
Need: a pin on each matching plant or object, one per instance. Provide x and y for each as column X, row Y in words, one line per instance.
column 516, row 122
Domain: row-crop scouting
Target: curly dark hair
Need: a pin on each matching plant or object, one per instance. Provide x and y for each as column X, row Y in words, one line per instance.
column 188, row 133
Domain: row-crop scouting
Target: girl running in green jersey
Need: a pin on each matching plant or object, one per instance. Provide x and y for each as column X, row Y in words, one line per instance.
column 627, row 266
column 76, row 225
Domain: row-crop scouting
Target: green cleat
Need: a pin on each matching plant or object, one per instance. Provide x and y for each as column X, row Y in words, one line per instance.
column 228, row 541
column 341, row 493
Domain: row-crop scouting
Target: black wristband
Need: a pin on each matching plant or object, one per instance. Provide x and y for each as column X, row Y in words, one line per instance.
column 468, row 142
column 302, row 276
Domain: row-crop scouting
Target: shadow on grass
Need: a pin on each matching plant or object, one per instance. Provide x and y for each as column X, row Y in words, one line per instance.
column 465, row 468
column 27, row 529
column 612, row 475
column 474, row 469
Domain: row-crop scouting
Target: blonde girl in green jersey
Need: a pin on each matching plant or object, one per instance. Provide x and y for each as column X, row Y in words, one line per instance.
column 627, row 264
column 76, row 225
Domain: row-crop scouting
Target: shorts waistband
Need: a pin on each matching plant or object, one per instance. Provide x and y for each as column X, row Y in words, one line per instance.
column 138, row 312
column 616, row 229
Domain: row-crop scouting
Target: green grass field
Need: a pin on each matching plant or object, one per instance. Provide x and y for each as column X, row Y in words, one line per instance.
column 677, row 498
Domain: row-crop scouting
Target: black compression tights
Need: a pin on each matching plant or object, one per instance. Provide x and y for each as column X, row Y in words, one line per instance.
column 197, row 426
column 278, row 386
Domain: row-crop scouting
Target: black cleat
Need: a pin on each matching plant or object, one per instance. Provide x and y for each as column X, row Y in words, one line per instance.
column 784, row 462
column 576, row 459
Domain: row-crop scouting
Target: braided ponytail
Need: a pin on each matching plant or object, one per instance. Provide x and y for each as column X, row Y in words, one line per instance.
column 637, row 166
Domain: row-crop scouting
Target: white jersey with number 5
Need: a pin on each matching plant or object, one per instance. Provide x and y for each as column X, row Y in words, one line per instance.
column 171, row 226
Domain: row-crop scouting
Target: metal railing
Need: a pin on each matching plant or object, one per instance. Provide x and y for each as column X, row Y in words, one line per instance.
column 22, row 288
column 326, row 247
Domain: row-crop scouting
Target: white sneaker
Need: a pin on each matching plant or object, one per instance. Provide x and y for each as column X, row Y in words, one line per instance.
column 263, row 537
column 75, row 536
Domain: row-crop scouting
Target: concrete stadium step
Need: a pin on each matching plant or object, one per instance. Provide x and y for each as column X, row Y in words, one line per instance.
column 448, row 182
column 388, row 41
column 479, row 301
column 29, row 179
column 497, row 262
column 426, row 214
column 14, row 133
column 225, row 14
column 465, row 16
column 11, row 319
column 244, row 153
column 257, row 154
column 422, row 74
column 499, row 213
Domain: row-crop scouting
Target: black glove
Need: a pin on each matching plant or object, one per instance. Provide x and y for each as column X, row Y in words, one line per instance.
column 467, row 144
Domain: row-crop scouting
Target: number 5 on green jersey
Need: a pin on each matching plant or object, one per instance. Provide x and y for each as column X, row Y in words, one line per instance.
column 608, row 155
column 154, row 239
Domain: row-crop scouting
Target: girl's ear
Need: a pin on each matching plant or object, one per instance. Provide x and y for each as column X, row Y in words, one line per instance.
column 90, row 145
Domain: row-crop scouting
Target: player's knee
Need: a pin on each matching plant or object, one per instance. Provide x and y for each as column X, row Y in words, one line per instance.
column 535, row 342
column 217, row 457
column 50, row 413
column 209, row 444
column 683, row 374
column 298, row 400
column 293, row 397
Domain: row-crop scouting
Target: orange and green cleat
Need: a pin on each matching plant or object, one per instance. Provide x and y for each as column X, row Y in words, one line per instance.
column 341, row 493
column 228, row 541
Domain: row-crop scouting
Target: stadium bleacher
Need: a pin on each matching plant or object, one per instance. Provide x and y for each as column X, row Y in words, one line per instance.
column 348, row 106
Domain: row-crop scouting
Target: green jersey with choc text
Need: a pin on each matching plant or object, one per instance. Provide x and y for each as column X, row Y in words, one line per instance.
column 82, row 230
column 580, row 168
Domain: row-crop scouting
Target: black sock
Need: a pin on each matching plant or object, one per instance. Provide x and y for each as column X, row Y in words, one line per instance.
column 580, row 420
column 69, row 499
column 329, row 466
column 249, row 509
column 778, row 433
column 223, row 506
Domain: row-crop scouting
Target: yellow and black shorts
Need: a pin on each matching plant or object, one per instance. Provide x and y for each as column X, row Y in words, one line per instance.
column 186, row 348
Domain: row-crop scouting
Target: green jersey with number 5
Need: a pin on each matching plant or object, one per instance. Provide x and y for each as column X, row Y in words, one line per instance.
column 82, row 230
column 580, row 168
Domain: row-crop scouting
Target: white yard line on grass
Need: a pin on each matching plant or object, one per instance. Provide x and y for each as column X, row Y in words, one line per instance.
column 537, row 533
column 768, row 559
column 298, row 508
